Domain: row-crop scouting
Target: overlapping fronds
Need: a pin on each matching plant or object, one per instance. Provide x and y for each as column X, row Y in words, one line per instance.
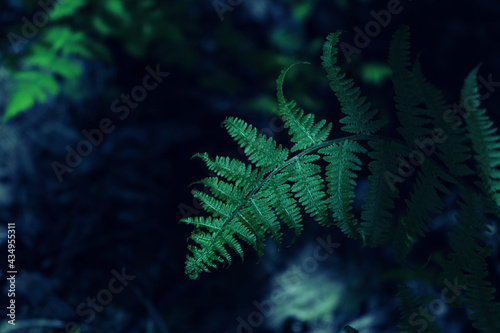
column 448, row 139
column 248, row 201
column 411, row 115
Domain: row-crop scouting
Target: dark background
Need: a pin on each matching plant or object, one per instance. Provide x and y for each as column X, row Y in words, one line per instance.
column 121, row 206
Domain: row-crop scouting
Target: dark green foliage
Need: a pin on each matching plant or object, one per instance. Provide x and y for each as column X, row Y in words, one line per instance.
column 50, row 65
column 408, row 98
column 454, row 151
column 359, row 118
column 377, row 222
column 424, row 200
column 410, row 321
column 485, row 312
column 349, row 329
column 340, row 174
column 247, row 202
column 302, row 129
column 485, row 143
column 260, row 150
column 51, row 62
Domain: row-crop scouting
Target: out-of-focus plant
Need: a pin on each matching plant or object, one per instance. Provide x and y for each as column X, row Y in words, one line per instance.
column 46, row 51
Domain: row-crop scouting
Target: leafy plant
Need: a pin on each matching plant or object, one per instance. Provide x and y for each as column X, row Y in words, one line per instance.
column 52, row 61
column 248, row 201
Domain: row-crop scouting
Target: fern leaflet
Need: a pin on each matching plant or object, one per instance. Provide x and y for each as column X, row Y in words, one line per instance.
column 303, row 131
column 359, row 118
column 340, row 174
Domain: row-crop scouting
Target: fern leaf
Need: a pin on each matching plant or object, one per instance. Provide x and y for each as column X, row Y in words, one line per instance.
column 222, row 190
column 219, row 208
column 209, row 246
column 411, row 318
column 485, row 312
column 26, row 91
column 261, row 151
column 308, row 186
column 203, row 256
column 485, row 143
column 377, row 227
column 241, row 210
column 424, row 200
column 359, row 118
column 340, row 174
column 349, row 329
column 467, row 235
column 256, row 216
column 52, row 57
column 68, row 9
column 247, row 206
column 449, row 141
column 245, row 218
column 232, row 170
column 407, row 95
column 262, row 214
column 279, row 196
column 304, row 131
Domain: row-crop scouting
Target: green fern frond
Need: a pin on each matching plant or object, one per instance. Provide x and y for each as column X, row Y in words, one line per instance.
column 411, row 319
column 222, row 190
column 26, row 90
column 377, row 225
column 48, row 61
column 279, row 196
column 248, row 201
column 216, row 225
column 340, row 176
column 303, row 131
column 449, row 141
column 209, row 246
column 349, row 329
column 484, row 137
column 48, row 65
column 407, row 95
column 68, row 9
column 485, row 312
column 219, row 208
column 467, row 237
column 263, row 215
column 359, row 118
column 308, row 186
column 424, row 201
column 245, row 206
column 261, row 151
column 232, row 170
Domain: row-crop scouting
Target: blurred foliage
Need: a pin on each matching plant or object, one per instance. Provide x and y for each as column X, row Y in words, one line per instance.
column 47, row 57
column 146, row 28
column 46, row 60
column 284, row 46
column 49, row 66
column 88, row 29
column 375, row 73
